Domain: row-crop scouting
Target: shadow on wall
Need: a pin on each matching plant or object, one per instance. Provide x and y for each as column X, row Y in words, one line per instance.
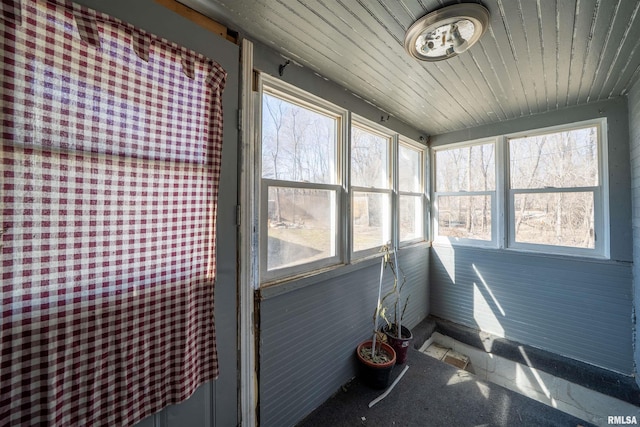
column 463, row 294
column 563, row 306
column 471, row 297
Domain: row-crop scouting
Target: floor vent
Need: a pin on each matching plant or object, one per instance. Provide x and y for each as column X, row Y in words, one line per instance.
column 448, row 355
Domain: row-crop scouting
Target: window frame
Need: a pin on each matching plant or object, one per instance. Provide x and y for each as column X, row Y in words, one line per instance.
column 295, row 96
column 343, row 235
column 422, row 193
column 495, row 226
column 599, row 191
column 503, row 214
column 373, row 128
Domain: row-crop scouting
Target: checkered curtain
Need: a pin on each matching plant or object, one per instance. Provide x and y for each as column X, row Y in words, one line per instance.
column 111, row 145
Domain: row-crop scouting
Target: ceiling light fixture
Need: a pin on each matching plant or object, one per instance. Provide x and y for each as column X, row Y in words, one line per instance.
column 446, row 32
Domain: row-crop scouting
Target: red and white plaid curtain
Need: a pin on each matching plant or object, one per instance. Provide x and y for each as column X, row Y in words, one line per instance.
column 111, row 150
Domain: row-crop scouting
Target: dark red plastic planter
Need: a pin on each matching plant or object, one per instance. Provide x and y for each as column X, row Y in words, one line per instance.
column 400, row 345
column 375, row 375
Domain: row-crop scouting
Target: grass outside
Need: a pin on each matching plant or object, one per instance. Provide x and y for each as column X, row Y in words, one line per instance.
column 294, row 246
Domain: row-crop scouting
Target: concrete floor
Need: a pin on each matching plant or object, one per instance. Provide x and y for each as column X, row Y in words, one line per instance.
column 433, row 393
column 574, row 399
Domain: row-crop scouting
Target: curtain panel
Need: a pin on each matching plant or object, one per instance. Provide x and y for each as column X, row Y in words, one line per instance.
column 111, row 154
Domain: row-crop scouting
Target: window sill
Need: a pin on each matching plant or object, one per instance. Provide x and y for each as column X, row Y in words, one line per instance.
column 290, row 284
column 282, row 286
column 530, row 253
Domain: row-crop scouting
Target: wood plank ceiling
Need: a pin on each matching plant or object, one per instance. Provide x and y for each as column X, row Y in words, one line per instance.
column 537, row 55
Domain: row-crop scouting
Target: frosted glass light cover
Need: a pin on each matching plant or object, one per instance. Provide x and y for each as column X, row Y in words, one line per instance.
column 446, row 32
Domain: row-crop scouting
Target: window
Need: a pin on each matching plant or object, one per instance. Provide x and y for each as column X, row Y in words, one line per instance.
column 326, row 199
column 554, row 190
column 301, row 182
column 370, row 187
column 410, row 192
column 465, row 185
column 546, row 186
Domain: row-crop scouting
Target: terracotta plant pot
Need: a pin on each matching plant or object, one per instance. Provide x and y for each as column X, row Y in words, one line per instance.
column 375, row 375
column 400, row 345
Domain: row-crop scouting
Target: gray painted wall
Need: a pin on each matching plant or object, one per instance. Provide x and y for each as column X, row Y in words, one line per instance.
column 576, row 307
column 267, row 60
column 634, row 142
column 309, row 335
column 214, row 403
column 309, row 329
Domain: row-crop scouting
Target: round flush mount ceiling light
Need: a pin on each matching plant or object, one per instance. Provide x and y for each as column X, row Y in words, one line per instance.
column 446, row 32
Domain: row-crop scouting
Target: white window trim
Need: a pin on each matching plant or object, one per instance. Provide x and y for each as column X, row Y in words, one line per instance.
column 503, row 217
column 600, row 195
column 275, row 87
column 298, row 269
column 344, row 192
column 374, row 128
column 449, row 241
column 248, row 260
column 422, row 193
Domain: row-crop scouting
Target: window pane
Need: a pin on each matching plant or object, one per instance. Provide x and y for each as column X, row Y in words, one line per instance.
column 371, row 220
column 411, row 218
column 369, row 159
column 560, row 160
column 560, row 219
column 467, row 217
column 470, row 168
column 301, row 226
column 298, row 144
column 409, row 169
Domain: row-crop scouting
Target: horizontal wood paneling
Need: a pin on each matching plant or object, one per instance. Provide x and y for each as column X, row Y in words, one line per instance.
column 308, row 336
column 578, row 308
column 575, row 308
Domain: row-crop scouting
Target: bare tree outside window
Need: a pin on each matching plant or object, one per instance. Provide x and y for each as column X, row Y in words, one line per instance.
column 553, row 179
column 299, row 155
column 465, row 188
column 369, row 159
column 371, row 195
column 410, row 188
column 297, row 144
column 309, row 220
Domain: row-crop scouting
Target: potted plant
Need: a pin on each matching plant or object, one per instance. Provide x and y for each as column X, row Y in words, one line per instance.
column 376, row 358
column 398, row 336
column 375, row 366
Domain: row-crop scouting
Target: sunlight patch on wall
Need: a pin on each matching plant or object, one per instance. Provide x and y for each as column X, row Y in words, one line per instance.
column 483, row 314
column 486, row 287
column 448, row 261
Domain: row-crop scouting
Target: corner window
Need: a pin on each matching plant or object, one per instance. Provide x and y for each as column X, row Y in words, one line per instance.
column 541, row 191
